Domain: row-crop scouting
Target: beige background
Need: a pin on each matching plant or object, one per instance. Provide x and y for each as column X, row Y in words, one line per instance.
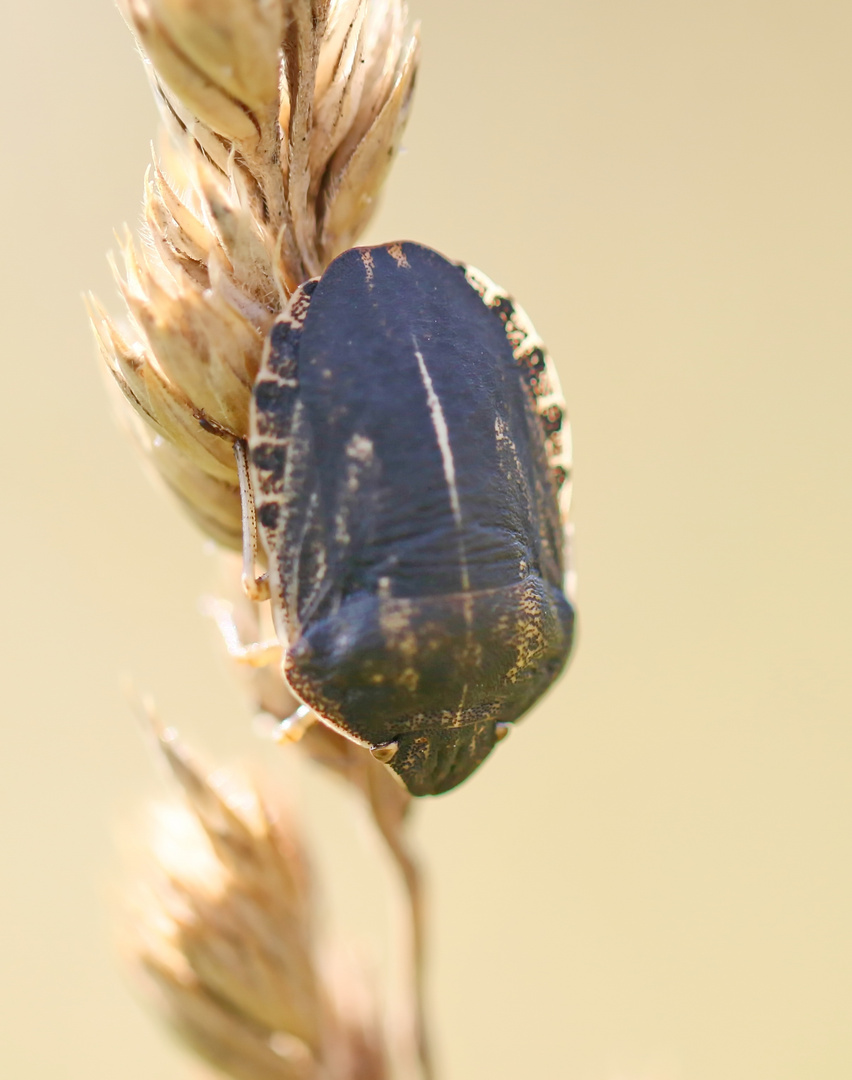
column 652, row 880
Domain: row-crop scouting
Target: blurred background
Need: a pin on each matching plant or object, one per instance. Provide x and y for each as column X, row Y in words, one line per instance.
column 653, row 879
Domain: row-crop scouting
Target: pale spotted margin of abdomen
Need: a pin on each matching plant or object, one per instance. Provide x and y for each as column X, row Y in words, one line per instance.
column 529, row 351
column 270, row 444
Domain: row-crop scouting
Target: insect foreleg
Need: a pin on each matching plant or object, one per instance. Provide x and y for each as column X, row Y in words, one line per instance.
column 254, row 654
column 290, row 729
column 256, row 588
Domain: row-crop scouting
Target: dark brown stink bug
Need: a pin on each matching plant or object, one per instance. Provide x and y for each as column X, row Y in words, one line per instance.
column 406, row 454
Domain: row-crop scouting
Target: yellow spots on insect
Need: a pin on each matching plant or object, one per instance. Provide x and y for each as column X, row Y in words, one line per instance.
column 406, row 644
column 459, row 714
column 398, row 255
column 472, row 654
column 507, row 449
column 528, row 636
column 359, row 455
column 341, row 528
column 504, row 440
column 409, row 679
column 416, row 751
column 369, row 265
column 360, row 448
column 396, row 618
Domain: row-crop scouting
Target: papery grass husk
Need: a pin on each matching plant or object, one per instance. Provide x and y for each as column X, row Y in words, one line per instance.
column 281, row 121
column 221, row 931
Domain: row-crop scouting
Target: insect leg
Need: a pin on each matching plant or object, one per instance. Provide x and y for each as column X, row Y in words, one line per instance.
column 290, row 729
column 255, row 654
column 256, row 588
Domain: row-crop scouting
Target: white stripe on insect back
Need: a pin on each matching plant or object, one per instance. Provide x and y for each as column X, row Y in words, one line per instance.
column 442, row 434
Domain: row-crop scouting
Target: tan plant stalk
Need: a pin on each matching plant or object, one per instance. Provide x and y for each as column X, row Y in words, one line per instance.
column 280, row 119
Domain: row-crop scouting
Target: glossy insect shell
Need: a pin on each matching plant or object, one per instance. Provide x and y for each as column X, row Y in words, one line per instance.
column 406, row 454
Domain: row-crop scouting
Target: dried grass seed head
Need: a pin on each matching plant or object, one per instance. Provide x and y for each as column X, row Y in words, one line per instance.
column 281, row 120
column 221, row 928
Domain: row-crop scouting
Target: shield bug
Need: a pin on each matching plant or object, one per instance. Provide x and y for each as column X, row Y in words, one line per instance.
column 408, row 457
